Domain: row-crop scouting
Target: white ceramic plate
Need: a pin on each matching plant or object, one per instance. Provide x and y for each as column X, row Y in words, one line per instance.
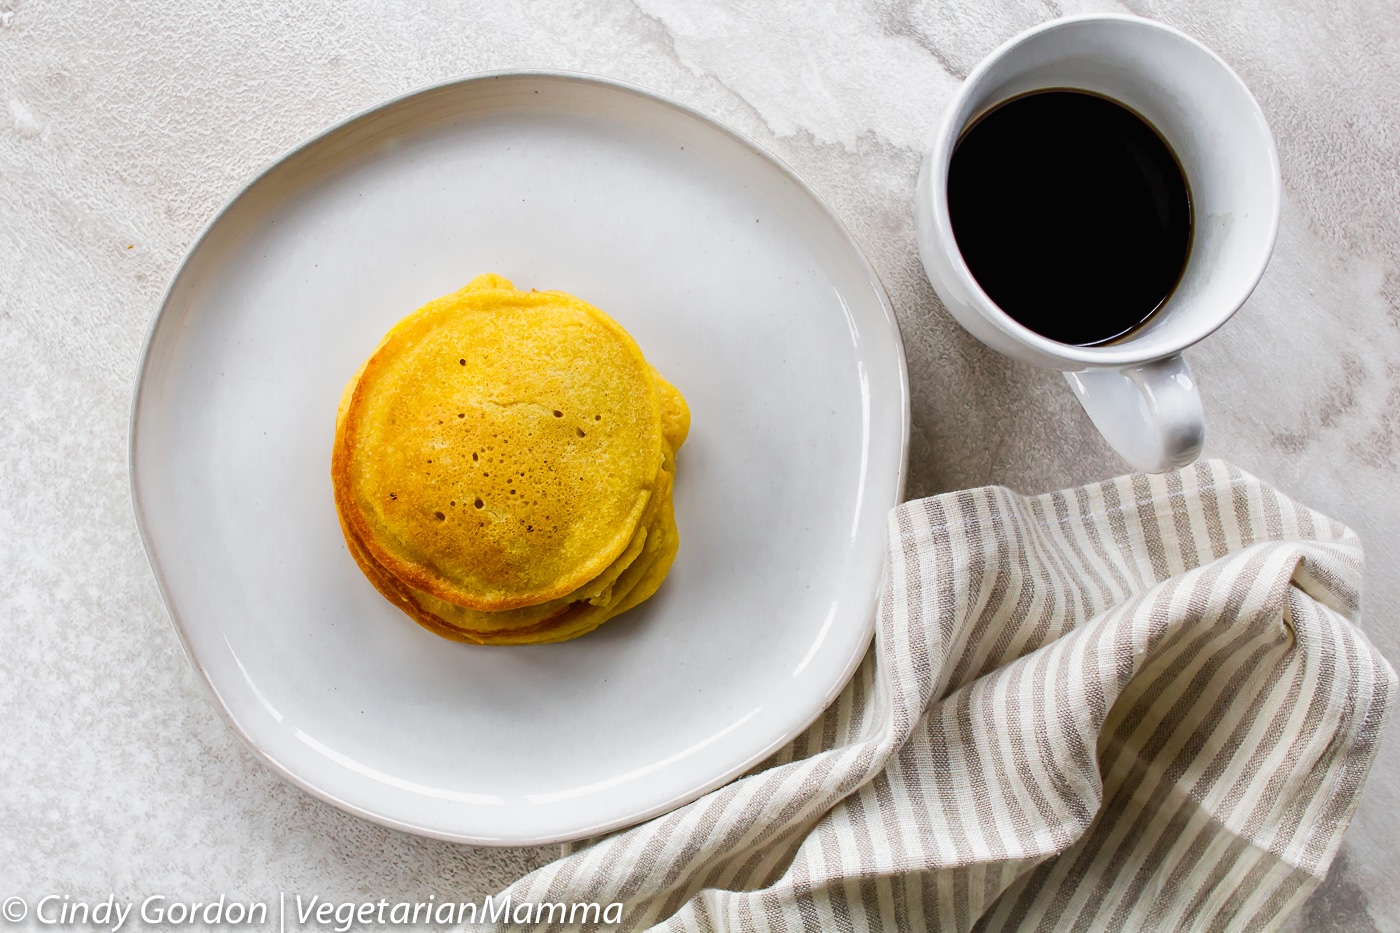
column 739, row 285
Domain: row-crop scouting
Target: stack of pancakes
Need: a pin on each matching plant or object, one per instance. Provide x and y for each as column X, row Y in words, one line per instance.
column 503, row 466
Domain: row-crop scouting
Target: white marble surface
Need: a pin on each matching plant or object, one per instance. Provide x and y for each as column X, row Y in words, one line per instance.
column 124, row 127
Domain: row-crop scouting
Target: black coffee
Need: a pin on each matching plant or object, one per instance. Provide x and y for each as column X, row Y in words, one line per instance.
column 1072, row 213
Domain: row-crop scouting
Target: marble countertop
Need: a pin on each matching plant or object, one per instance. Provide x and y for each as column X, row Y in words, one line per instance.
column 123, row 128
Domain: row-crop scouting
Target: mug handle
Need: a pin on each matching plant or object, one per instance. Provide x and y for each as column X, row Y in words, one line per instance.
column 1150, row 413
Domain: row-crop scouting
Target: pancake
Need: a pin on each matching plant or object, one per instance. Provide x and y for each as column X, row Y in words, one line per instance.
column 537, row 419
column 500, row 446
column 581, row 612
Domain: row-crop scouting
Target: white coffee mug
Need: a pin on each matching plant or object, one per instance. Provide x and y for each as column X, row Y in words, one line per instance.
column 1138, row 390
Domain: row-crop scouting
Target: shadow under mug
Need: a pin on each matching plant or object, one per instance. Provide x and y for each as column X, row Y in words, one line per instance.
column 1139, row 390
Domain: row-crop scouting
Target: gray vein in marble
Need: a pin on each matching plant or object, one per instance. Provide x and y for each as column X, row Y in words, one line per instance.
column 898, row 21
column 670, row 40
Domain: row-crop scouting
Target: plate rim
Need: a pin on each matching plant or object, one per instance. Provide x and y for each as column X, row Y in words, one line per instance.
column 284, row 772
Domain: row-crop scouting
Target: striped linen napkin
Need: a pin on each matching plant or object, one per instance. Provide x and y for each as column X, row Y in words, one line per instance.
column 1138, row 705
